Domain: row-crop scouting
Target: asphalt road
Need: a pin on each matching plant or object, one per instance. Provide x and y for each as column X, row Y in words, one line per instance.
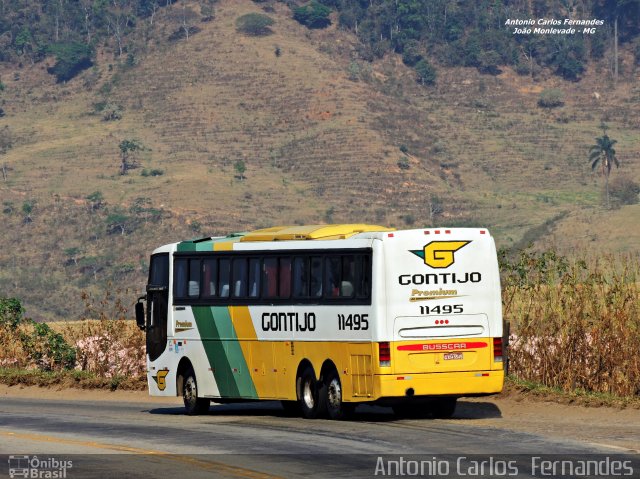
column 257, row 440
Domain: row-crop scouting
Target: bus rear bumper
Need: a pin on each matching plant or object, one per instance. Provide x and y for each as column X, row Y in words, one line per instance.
column 468, row 383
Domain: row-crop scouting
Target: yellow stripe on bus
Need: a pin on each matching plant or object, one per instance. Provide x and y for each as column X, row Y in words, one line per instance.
column 225, row 245
column 257, row 354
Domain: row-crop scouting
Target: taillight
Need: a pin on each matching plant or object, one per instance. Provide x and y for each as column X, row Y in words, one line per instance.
column 384, row 354
column 497, row 350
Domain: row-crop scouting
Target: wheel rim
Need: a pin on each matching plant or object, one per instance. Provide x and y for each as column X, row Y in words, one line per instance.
column 334, row 395
column 307, row 395
column 190, row 392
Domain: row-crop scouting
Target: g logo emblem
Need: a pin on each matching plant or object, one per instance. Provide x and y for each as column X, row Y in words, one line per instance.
column 160, row 379
column 439, row 254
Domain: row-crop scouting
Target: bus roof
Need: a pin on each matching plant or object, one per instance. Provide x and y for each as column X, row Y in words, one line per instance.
column 310, row 232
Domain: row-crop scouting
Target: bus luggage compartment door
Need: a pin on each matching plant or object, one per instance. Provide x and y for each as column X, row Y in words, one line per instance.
column 442, row 343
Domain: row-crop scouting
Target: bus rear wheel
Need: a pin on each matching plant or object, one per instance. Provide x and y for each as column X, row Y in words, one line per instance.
column 192, row 403
column 332, row 389
column 312, row 403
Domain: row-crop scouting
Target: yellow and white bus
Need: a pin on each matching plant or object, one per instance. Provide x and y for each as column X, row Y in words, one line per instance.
column 326, row 317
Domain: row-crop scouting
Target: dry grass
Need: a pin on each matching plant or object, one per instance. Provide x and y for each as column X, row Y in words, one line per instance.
column 106, row 350
column 575, row 324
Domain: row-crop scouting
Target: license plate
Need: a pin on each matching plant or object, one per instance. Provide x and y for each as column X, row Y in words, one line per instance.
column 449, row 356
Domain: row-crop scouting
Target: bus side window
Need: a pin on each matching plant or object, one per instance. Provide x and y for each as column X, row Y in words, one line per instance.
column 194, row 279
column 254, row 277
column 239, row 277
column 224, row 267
column 180, row 278
column 364, row 276
column 300, row 277
column 209, row 278
column 333, row 269
column 270, row 278
column 348, row 277
column 315, row 283
column 284, row 290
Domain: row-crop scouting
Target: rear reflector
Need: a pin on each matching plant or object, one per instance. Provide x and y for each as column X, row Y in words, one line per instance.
column 384, row 354
column 497, row 350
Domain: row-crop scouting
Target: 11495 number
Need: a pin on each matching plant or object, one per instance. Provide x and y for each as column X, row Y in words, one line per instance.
column 441, row 309
column 353, row 322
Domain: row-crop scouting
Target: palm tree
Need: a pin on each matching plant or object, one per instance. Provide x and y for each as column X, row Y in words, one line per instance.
column 602, row 152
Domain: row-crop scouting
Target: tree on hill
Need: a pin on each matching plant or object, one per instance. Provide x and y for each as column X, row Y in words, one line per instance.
column 313, row 15
column 128, row 149
column 255, row 24
column 240, row 168
column 604, row 154
column 426, row 72
column 71, row 59
column 5, row 146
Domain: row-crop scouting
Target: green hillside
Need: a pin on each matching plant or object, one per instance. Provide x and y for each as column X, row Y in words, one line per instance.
column 298, row 126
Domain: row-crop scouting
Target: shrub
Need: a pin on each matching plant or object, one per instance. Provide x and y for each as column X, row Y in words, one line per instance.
column 71, row 59
column 488, row 62
column 255, row 24
column 522, row 69
column 354, row 71
column 153, row 172
column 11, row 312
column 426, row 72
column 240, row 168
column 409, row 219
column 403, row 163
column 111, row 112
column 183, row 32
column 207, row 13
column 571, row 68
column 47, row 349
column 411, row 53
column 551, row 98
column 313, row 15
column 624, row 191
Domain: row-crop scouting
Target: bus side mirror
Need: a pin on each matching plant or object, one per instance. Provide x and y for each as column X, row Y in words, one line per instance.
column 140, row 319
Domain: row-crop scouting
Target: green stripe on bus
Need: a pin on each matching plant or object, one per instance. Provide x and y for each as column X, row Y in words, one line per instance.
column 223, row 351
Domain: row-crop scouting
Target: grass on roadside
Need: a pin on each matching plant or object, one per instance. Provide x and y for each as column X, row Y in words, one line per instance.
column 69, row 379
column 537, row 391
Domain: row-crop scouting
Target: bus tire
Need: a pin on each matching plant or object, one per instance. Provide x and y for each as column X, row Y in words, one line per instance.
column 332, row 390
column 312, row 403
column 444, row 408
column 192, row 403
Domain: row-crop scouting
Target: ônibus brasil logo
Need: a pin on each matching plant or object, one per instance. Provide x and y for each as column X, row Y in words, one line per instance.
column 33, row 467
column 439, row 254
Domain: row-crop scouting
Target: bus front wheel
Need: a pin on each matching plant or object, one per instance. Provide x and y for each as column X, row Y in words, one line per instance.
column 192, row 403
column 312, row 403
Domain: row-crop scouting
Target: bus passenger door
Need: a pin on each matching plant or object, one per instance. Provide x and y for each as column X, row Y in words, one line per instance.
column 157, row 305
